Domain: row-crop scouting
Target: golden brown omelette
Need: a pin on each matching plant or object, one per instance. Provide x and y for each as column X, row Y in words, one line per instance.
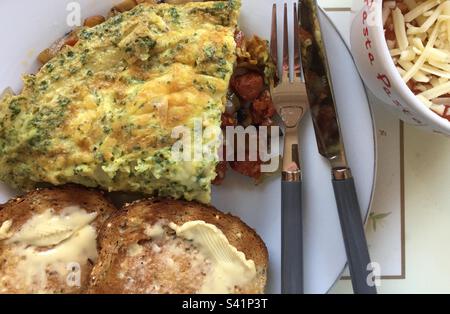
column 101, row 113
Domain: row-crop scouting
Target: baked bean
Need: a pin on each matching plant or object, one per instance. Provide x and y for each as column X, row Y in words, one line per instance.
column 71, row 39
column 45, row 56
column 94, row 21
column 147, row 1
column 125, row 5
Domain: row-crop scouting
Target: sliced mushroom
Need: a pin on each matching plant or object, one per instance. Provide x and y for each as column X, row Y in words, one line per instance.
column 233, row 104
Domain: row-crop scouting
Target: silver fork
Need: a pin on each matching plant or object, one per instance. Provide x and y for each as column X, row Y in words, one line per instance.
column 290, row 100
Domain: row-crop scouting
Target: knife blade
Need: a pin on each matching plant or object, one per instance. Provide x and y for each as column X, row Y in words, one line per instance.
column 318, row 83
column 329, row 141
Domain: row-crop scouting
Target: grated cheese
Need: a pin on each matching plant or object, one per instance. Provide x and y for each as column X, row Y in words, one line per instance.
column 419, row 76
column 412, row 30
column 423, row 57
column 420, row 10
column 411, row 4
column 425, row 101
column 437, row 91
column 395, row 52
column 399, row 28
column 436, row 72
column 421, row 49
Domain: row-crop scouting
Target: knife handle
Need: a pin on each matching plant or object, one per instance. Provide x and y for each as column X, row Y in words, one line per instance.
column 291, row 238
column 354, row 236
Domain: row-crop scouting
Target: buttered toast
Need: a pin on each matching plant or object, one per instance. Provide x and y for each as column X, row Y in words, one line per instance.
column 48, row 239
column 167, row 246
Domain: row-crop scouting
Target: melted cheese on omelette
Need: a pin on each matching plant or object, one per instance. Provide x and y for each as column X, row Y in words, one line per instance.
column 101, row 113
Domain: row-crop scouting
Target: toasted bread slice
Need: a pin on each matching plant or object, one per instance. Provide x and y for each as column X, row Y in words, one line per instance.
column 141, row 253
column 48, row 239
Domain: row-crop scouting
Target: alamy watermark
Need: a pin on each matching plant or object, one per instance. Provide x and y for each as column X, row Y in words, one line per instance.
column 74, row 14
column 374, row 277
column 199, row 143
column 73, row 278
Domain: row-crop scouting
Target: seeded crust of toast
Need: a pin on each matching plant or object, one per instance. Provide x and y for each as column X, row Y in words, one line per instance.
column 21, row 209
column 154, row 268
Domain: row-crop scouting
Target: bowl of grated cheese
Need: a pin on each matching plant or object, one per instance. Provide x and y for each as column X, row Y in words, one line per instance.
column 402, row 51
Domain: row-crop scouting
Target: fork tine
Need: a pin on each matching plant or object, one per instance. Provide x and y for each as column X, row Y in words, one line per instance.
column 297, row 60
column 285, row 73
column 274, row 37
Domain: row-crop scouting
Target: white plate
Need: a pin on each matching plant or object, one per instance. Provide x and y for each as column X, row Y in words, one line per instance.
column 30, row 26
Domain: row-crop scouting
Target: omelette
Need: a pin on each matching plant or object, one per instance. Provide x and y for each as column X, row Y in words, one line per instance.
column 102, row 113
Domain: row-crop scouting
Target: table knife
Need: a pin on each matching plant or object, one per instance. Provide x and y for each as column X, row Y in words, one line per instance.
column 328, row 135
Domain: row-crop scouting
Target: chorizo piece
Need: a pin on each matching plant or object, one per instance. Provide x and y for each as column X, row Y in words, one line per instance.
column 262, row 108
column 248, row 86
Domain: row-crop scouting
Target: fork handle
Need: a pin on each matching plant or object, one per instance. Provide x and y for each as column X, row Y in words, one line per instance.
column 291, row 238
